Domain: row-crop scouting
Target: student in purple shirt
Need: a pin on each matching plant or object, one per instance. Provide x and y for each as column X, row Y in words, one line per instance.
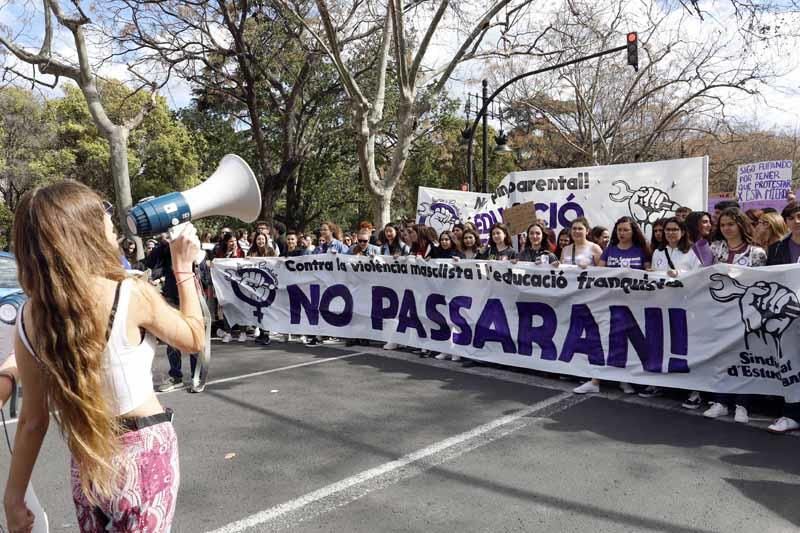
column 700, row 227
column 628, row 247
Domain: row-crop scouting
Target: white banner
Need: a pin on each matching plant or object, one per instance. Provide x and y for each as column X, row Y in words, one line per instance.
column 721, row 329
column 644, row 191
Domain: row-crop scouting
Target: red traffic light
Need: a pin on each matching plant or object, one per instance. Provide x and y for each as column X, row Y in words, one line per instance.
column 633, row 51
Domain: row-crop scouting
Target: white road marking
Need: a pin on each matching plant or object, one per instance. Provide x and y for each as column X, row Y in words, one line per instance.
column 350, row 489
column 290, row 367
column 13, row 421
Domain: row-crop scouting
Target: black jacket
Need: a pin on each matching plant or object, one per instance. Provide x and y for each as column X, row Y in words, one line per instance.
column 438, row 253
column 778, row 253
column 492, row 254
column 160, row 264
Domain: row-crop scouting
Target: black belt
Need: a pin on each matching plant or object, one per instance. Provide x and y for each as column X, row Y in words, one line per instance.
column 135, row 424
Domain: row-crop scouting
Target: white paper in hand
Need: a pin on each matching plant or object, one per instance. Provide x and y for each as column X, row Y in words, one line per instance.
column 40, row 524
column 175, row 231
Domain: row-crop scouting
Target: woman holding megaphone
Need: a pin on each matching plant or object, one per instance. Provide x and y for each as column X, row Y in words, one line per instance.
column 84, row 345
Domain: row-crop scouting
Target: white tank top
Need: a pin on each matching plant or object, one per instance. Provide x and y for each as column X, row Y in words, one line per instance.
column 579, row 257
column 128, row 369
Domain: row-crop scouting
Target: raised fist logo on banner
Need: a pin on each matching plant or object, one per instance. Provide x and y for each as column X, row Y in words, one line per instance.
column 767, row 308
column 645, row 204
column 255, row 286
column 439, row 214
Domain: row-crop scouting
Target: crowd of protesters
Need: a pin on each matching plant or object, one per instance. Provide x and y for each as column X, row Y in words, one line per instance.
column 687, row 241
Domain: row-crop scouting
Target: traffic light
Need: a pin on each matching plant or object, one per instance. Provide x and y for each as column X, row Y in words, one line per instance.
column 633, row 50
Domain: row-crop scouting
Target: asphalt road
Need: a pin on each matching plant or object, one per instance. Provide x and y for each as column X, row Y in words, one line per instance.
column 289, row 438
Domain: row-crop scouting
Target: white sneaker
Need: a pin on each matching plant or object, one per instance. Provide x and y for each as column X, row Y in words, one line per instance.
column 256, row 332
column 197, row 386
column 441, row 356
column 587, row 388
column 390, row 346
column 627, row 388
column 716, row 410
column 243, row 337
column 227, row 337
column 456, row 358
column 220, row 332
column 784, row 424
column 741, row 415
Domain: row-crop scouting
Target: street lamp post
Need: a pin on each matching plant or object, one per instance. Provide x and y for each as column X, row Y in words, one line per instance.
column 489, row 112
column 469, row 133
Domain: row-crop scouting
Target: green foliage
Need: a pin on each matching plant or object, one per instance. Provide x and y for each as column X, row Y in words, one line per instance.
column 439, row 159
column 46, row 141
column 161, row 153
column 6, row 220
column 25, row 138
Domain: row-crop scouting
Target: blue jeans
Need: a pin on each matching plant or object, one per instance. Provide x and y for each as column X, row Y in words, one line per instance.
column 174, row 358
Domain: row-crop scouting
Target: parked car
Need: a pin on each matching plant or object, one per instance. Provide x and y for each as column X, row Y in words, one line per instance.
column 11, row 295
column 11, row 299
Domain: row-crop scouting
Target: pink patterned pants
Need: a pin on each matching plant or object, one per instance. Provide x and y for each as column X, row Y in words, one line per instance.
column 150, row 476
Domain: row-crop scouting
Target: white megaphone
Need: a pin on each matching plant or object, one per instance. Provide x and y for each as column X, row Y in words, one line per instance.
column 232, row 190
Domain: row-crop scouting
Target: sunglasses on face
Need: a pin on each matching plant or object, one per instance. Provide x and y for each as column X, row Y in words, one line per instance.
column 363, row 240
column 108, row 207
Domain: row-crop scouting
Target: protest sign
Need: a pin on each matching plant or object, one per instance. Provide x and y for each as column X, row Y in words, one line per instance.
column 722, row 329
column 644, row 191
column 714, row 199
column 519, row 217
column 763, row 184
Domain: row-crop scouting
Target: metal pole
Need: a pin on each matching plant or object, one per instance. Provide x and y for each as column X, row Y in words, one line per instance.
column 470, row 166
column 485, row 137
column 486, row 102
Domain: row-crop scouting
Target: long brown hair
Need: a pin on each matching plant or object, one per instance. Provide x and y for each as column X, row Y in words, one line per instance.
column 475, row 247
column 266, row 251
column 740, row 219
column 61, row 248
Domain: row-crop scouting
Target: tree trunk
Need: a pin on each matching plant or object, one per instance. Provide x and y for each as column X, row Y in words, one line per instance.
column 293, row 202
column 382, row 210
column 118, row 144
column 267, row 205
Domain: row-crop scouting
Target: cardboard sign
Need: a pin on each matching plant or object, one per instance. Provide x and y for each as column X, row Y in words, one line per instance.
column 519, row 217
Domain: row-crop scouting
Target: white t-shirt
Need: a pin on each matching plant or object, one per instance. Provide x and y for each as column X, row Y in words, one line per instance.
column 683, row 261
column 582, row 255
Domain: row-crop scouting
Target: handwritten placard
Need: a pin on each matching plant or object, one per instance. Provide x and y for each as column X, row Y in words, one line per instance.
column 765, row 181
column 519, row 217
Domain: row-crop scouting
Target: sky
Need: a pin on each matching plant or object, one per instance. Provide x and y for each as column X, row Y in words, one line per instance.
column 776, row 108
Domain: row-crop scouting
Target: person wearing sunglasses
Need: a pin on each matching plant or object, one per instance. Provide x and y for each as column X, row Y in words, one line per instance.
column 87, row 323
column 363, row 246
